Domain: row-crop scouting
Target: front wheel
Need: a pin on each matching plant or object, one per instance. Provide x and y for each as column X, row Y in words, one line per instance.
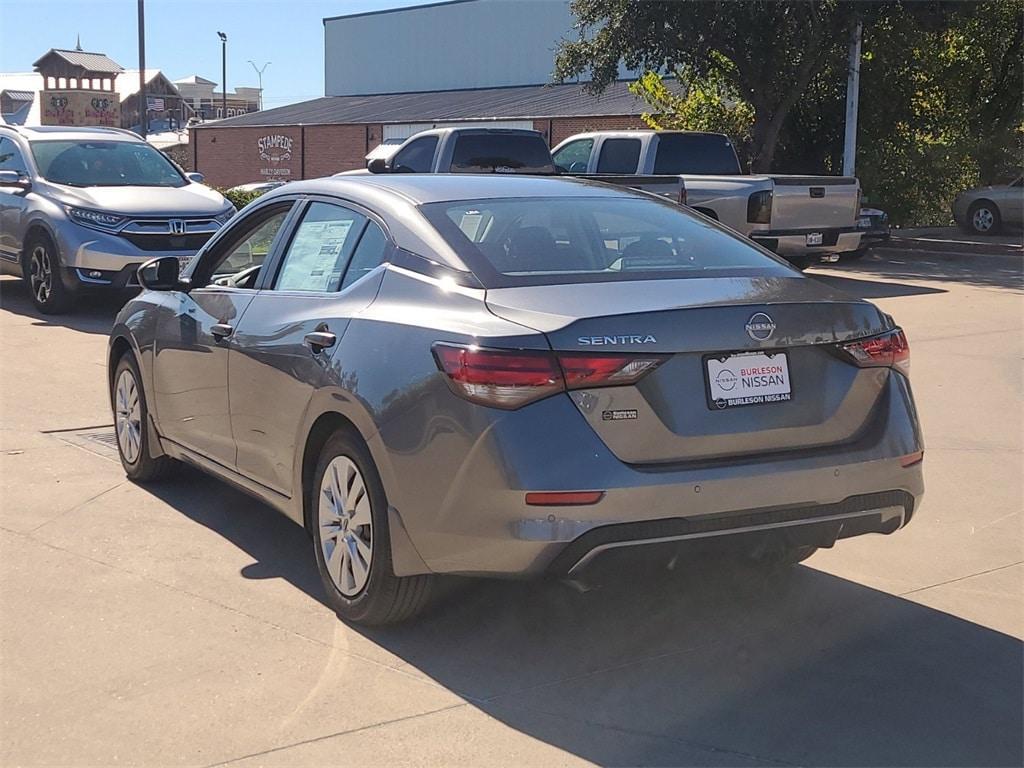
column 351, row 541
column 42, row 271
column 130, row 425
column 983, row 218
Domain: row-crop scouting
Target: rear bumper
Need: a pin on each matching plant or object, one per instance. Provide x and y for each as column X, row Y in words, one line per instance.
column 795, row 242
column 460, row 497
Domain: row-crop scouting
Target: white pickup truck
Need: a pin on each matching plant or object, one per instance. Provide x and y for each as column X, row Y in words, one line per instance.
column 804, row 219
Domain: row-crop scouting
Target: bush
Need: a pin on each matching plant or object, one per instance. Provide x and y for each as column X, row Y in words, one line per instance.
column 238, row 198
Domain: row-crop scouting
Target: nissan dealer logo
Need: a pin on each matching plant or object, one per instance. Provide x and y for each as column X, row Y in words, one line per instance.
column 760, row 326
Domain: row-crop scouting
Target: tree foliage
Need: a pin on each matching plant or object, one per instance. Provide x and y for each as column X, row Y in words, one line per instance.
column 941, row 84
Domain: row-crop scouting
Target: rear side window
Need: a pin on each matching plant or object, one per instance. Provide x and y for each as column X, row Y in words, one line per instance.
column 554, row 240
column 706, row 153
column 501, row 153
column 320, row 249
column 619, row 156
column 418, row 157
column 370, row 252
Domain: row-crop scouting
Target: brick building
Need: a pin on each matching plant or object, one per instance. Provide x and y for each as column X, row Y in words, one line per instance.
column 390, row 74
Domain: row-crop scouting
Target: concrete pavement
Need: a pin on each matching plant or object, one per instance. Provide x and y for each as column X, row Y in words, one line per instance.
column 182, row 624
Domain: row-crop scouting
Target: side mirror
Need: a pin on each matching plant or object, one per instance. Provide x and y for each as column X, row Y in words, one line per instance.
column 15, row 179
column 195, row 177
column 161, row 274
column 377, row 165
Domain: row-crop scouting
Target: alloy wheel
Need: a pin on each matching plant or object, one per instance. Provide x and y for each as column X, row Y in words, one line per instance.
column 40, row 274
column 983, row 220
column 346, row 526
column 128, row 416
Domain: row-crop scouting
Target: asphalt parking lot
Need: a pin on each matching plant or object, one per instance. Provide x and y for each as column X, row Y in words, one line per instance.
column 183, row 623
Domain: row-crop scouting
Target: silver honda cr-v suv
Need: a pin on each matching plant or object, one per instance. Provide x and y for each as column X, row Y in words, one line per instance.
column 82, row 208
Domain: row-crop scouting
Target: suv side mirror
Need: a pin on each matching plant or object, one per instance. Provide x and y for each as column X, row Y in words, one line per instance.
column 15, row 179
column 161, row 274
column 378, row 165
column 195, row 177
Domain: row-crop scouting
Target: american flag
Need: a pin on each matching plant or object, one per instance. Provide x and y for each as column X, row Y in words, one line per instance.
column 155, row 104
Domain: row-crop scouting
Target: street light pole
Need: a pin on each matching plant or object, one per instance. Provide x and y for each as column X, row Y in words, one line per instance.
column 143, row 112
column 259, row 76
column 223, row 74
column 852, row 101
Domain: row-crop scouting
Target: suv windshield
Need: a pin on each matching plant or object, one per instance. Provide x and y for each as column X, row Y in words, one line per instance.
column 552, row 240
column 104, row 164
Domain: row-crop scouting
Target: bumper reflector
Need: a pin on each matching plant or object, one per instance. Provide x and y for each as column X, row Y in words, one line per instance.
column 911, row 459
column 563, row 498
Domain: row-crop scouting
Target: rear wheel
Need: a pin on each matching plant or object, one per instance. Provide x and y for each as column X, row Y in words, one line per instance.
column 41, row 269
column 802, row 261
column 983, row 218
column 351, row 539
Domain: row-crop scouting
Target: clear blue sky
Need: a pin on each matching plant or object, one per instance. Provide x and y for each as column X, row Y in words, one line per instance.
column 181, row 37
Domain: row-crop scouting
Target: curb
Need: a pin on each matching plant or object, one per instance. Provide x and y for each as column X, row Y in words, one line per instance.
column 935, row 245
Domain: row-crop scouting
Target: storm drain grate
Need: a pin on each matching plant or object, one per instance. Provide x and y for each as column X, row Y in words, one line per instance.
column 100, row 439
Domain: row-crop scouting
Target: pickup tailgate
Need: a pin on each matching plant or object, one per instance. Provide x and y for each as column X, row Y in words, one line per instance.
column 815, row 202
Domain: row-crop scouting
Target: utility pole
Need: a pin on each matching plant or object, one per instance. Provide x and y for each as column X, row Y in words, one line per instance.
column 143, row 103
column 852, row 101
column 259, row 76
column 223, row 74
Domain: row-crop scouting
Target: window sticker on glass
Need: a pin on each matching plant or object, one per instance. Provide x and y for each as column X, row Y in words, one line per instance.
column 315, row 260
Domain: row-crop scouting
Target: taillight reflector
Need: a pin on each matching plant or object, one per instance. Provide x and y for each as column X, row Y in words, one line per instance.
column 889, row 350
column 512, row 378
column 563, row 498
column 911, row 459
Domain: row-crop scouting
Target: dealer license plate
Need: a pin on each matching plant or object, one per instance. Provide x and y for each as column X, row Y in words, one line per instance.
column 748, row 378
column 814, row 238
column 184, row 261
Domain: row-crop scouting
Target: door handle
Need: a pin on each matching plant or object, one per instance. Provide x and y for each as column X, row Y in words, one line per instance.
column 221, row 330
column 318, row 341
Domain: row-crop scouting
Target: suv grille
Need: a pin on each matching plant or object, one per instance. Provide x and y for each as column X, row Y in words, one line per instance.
column 167, row 242
column 169, row 234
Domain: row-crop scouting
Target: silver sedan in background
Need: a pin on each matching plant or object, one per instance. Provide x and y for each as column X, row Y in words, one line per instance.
column 511, row 376
column 984, row 210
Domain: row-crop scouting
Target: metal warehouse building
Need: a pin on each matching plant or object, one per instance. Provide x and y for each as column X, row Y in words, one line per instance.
column 390, row 74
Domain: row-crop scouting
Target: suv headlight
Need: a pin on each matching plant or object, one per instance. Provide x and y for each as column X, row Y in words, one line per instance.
column 225, row 216
column 95, row 219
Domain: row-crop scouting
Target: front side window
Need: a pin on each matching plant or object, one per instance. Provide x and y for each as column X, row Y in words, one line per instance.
column 574, row 156
column 105, row 164
column 556, row 240
column 619, row 156
column 237, row 262
column 320, row 249
column 418, row 157
column 10, row 157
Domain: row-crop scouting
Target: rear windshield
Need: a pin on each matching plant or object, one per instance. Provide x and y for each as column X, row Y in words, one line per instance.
column 105, row 164
column 501, row 153
column 552, row 240
column 706, row 153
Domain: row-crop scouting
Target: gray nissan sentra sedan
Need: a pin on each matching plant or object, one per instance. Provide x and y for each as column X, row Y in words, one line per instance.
column 510, row 376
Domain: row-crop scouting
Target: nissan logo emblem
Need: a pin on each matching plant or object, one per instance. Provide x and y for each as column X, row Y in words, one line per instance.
column 760, row 326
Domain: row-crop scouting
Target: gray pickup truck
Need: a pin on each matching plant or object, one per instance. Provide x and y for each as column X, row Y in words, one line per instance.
column 496, row 150
column 802, row 218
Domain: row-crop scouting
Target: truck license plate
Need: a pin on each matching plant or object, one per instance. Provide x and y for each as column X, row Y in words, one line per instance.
column 747, row 378
column 814, row 238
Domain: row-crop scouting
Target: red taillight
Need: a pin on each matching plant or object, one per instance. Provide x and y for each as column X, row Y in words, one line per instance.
column 512, row 378
column 911, row 459
column 889, row 350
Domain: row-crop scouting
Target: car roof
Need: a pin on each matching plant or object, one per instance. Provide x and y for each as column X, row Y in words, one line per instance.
column 73, row 133
column 418, row 188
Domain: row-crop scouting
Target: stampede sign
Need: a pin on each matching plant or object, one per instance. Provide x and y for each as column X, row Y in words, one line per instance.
column 80, row 108
column 275, row 149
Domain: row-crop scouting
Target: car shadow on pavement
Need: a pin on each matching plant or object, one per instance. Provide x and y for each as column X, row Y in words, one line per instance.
column 978, row 270
column 711, row 658
column 91, row 314
column 873, row 289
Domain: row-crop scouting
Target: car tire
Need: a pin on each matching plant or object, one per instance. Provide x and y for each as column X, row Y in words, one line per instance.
column 41, row 271
column 802, row 262
column 131, row 419
column 351, row 542
column 983, row 218
column 856, row 255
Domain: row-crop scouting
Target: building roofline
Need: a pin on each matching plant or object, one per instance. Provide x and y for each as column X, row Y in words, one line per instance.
column 394, row 10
